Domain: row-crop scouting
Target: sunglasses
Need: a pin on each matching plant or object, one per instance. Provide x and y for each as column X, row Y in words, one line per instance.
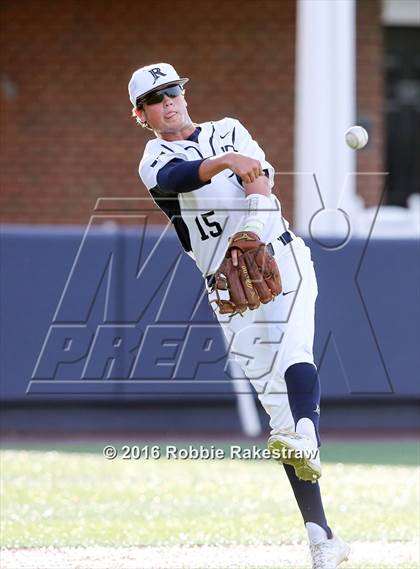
column 156, row 97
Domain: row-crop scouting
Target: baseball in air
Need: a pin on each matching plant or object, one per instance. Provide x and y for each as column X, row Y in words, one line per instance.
column 356, row 137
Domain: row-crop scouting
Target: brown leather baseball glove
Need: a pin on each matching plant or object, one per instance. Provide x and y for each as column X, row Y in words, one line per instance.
column 255, row 279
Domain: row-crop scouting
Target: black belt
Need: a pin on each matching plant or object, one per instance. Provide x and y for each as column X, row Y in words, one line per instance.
column 284, row 238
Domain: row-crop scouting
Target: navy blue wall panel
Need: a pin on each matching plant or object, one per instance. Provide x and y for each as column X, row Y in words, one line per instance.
column 121, row 314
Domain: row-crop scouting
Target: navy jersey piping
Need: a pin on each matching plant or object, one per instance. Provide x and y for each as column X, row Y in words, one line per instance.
column 171, row 208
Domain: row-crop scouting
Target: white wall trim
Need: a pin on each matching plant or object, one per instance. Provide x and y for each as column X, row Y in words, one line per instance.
column 325, row 107
column 401, row 12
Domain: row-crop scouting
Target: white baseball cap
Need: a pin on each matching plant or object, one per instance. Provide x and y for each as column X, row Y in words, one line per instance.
column 150, row 78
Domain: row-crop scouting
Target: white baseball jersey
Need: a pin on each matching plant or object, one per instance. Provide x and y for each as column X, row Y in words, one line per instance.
column 206, row 218
column 266, row 341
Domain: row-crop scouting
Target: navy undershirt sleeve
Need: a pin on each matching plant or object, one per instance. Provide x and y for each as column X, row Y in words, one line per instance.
column 179, row 176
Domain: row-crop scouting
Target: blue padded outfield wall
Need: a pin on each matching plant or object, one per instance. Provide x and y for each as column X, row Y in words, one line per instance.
column 120, row 314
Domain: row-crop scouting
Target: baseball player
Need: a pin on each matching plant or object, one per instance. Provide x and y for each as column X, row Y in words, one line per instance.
column 214, row 183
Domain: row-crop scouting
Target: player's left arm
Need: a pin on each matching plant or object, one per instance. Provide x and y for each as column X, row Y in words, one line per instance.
column 260, row 204
column 260, row 186
column 257, row 192
column 260, row 207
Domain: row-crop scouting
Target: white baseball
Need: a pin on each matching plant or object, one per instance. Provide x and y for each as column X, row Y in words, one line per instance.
column 356, row 137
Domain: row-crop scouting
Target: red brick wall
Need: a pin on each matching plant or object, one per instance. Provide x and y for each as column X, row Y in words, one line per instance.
column 67, row 135
column 370, row 98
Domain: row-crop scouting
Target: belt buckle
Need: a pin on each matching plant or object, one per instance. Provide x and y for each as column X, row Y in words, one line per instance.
column 285, row 238
column 210, row 280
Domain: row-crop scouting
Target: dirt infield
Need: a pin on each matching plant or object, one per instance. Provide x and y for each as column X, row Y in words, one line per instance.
column 364, row 555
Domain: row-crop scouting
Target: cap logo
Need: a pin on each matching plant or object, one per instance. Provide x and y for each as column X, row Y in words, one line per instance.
column 156, row 73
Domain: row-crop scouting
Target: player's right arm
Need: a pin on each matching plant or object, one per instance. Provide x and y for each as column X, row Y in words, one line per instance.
column 176, row 175
column 247, row 168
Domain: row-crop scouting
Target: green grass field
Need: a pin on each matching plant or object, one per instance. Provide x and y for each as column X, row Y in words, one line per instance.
column 71, row 497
